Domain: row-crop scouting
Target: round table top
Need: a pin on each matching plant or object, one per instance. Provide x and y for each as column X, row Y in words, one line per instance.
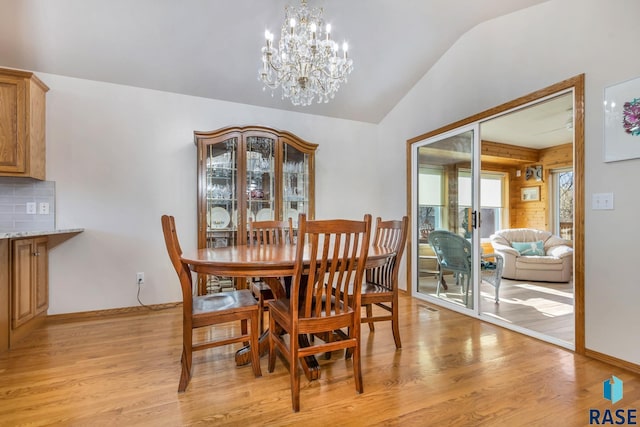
column 262, row 261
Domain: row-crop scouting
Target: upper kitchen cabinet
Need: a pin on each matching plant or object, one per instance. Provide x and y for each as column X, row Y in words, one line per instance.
column 250, row 172
column 22, row 124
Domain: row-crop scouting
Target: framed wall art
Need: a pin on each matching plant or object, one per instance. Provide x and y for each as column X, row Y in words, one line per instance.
column 530, row 194
column 622, row 121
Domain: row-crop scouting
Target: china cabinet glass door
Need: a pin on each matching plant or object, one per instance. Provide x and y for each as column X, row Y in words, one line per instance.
column 295, row 183
column 260, row 184
column 221, row 193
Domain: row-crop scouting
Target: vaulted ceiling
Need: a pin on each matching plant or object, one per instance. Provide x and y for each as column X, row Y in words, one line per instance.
column 211, row 48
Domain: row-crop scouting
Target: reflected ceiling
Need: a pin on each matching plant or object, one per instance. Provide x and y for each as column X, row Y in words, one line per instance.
column 545, row 124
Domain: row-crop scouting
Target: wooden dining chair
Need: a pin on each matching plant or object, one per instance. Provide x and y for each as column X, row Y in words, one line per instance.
column 380, row 287
column 268, row 233
column 331, row 254
column 208, row 310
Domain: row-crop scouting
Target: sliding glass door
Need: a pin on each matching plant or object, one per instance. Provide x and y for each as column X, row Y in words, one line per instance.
column 451, row 193
column 445, row 218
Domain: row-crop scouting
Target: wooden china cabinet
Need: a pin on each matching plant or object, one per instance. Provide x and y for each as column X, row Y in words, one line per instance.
column 249, row 172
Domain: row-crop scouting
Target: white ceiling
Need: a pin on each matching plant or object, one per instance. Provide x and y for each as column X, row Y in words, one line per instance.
column 211, row 48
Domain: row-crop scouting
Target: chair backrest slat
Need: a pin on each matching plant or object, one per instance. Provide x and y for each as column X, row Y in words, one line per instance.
column 336, row 252
column 270, row 232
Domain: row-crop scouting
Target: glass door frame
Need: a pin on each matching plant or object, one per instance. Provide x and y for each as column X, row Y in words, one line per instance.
column 475, row 198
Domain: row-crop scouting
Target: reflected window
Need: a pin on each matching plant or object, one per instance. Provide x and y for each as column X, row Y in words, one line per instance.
column 430, row 200
column 563, row 191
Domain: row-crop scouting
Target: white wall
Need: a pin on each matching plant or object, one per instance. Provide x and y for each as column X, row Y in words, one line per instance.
column 123, row 156
column 517, row 54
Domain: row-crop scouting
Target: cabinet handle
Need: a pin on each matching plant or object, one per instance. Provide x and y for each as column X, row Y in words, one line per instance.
column 36, row 254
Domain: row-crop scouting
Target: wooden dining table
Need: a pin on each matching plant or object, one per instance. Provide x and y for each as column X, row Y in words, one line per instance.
column 264, row 261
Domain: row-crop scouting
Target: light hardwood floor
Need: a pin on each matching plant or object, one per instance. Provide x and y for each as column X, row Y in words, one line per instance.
column 542, row 307
column 451, row 371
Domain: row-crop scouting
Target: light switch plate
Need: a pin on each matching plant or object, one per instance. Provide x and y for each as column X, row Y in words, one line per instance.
column 602, row 201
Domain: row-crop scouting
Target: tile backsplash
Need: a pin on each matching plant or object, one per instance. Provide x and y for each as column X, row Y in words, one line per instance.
column 15, row 194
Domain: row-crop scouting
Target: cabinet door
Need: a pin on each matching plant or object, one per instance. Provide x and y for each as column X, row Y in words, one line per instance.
column 260, row 177
column 22, row 309
column 12, row 125
column 41, row 275
column 220, row 192
column 297, row 182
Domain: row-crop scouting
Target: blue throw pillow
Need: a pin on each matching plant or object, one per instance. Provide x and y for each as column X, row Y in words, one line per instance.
column 529, row 248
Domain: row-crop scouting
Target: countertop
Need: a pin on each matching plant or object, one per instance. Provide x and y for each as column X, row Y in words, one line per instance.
column 21, row 234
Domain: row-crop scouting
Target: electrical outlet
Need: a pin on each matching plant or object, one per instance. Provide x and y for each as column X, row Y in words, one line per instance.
column 43, row 208
column 139, row 278
column 31, row 208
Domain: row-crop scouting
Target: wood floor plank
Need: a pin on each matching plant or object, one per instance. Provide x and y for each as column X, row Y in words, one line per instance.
column 452, row 370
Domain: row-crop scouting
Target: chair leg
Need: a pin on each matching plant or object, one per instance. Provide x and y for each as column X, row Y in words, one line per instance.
column 465, row 283
column 272, row 345
column 255, row 346
column 243, row 326
column 394, row 323
column 348, row 352
column 243, row 330
column 357, row 369
column 185, row 362
column 370, row 315
column 293, row 373
column 261, row 316
column 329, row 337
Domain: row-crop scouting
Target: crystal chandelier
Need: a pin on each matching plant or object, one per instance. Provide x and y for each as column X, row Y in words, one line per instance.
column 306, row 62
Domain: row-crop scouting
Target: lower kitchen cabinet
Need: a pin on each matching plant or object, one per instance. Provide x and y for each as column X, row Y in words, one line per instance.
column 29, row 284
column 29, row 287
column 24, row 281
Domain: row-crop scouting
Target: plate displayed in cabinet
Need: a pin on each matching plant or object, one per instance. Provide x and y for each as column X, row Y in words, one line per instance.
column 218, row 218
column 234, row 217
column 265, row 214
